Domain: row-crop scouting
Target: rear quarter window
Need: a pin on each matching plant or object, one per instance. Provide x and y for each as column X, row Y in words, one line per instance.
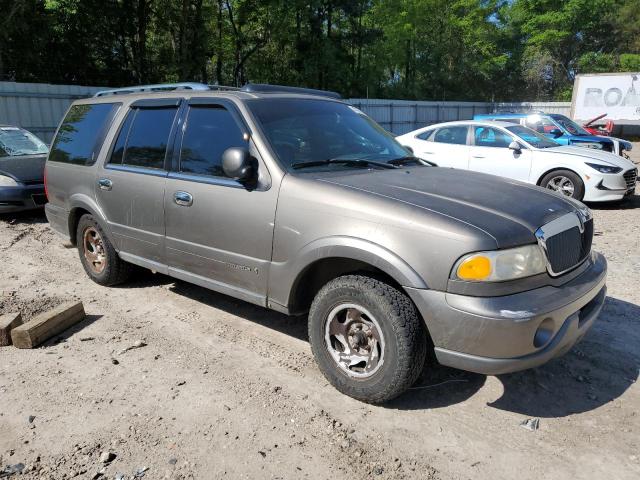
column 81, row 133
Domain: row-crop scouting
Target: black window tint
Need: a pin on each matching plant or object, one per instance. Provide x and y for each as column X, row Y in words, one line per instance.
column 118, row 149
column 453, row 135
column 81, row 129
column 210, row 131
column 147, row 142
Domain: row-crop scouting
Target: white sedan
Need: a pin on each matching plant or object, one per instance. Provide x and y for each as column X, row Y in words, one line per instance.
column 515, row 151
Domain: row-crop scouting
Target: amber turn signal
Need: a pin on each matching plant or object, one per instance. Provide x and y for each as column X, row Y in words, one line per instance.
column 477, row 267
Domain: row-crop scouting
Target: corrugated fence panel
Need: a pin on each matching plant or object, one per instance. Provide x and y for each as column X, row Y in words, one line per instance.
column 402, row 116
column 38, row 107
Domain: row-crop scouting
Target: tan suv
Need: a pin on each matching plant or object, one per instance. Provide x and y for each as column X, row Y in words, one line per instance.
column 294, row 200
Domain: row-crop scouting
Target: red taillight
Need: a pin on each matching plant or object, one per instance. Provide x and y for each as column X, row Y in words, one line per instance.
column 46, row 192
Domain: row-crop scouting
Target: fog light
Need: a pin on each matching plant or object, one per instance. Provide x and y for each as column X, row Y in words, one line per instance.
column 544, row 333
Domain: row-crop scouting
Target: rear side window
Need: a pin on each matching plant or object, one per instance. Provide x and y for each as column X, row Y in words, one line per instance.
column 210, row 131
column 143, row 138
column 453, row 135
column 81, row 132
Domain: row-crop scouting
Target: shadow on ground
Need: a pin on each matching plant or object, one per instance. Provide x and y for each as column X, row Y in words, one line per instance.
column 30, row 217
column 293, row 326
column 595, row 372
column 71, row 331
column 628, row 203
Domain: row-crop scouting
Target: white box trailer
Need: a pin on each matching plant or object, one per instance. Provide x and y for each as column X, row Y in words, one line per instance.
column 616, row 94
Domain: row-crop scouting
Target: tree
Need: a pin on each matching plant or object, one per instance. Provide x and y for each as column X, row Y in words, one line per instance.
column 415, row 49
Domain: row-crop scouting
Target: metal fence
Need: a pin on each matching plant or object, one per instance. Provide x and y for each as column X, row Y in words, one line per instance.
column 39, row 107
column 402, row 116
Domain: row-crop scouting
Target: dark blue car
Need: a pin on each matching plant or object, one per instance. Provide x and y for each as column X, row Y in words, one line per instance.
column 560, row 128
column 22, row 158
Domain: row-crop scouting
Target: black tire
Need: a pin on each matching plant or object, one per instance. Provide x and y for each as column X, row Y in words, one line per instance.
column 402, row 328
column 114, row 270
column 573, row 177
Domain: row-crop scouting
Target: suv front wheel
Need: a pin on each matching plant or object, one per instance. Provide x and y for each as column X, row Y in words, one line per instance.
column 367, row 338
column 99, row 259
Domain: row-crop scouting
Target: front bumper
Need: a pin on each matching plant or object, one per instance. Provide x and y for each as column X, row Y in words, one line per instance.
column 22, row 197
column 494, row 335
column 607, row 187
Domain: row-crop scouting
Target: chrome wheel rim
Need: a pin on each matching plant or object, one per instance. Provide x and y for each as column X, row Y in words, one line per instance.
column 93, row 248
column 354, row 340
column 562, row 185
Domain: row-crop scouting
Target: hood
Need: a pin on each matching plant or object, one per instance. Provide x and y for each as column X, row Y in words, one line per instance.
column 589, row 139
column 509, row 211
column 625, row 144
column 591, row 154
column 27, row 168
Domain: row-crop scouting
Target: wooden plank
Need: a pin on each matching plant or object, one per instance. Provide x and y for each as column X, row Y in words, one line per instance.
column 7, row 323
column 47, row 324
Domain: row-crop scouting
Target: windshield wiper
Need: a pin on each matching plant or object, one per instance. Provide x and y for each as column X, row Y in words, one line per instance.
column 348, row 161
column 411, row 159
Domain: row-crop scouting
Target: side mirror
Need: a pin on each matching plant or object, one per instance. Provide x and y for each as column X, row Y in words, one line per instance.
column 408, row 148
column 555, row 133
column 515, row 146
column 237, row 164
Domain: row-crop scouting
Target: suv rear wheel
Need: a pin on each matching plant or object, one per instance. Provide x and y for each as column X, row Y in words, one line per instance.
column 367, row 338
column 99, row 259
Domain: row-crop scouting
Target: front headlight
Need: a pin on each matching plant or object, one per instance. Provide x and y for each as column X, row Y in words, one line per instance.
column 604, row 168
column 595, row 145
column 7, row 181
column 501, row 265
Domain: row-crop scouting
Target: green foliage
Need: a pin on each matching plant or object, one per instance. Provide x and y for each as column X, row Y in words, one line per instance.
column 630, row 62
column 414, row 49
column 595, row 62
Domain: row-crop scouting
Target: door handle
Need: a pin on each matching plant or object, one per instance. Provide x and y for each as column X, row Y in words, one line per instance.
column 105, row 184
column 477, row 156
column 184, row 199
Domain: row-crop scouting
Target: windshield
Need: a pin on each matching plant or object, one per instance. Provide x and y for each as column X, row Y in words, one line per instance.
column 309, row 130
column 533, row 138
column 569, row 125
column 16, row 142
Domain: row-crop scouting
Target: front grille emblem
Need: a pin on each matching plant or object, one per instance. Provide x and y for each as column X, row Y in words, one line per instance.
column 563, row 249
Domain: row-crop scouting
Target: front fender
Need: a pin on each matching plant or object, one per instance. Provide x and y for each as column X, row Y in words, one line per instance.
column 283, row 275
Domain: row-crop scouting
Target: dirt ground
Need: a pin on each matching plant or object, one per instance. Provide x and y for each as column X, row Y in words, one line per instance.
column 224, row 389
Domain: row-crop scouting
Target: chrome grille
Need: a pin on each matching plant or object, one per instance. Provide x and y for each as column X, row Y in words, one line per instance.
column 630, row 177
column 566, row 242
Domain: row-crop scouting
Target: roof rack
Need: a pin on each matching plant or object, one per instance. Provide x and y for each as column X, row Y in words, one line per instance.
column 267, row 88
column 249, row 88
column 159, row 87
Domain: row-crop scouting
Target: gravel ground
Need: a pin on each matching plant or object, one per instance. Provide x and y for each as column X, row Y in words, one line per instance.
column 224, row 389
